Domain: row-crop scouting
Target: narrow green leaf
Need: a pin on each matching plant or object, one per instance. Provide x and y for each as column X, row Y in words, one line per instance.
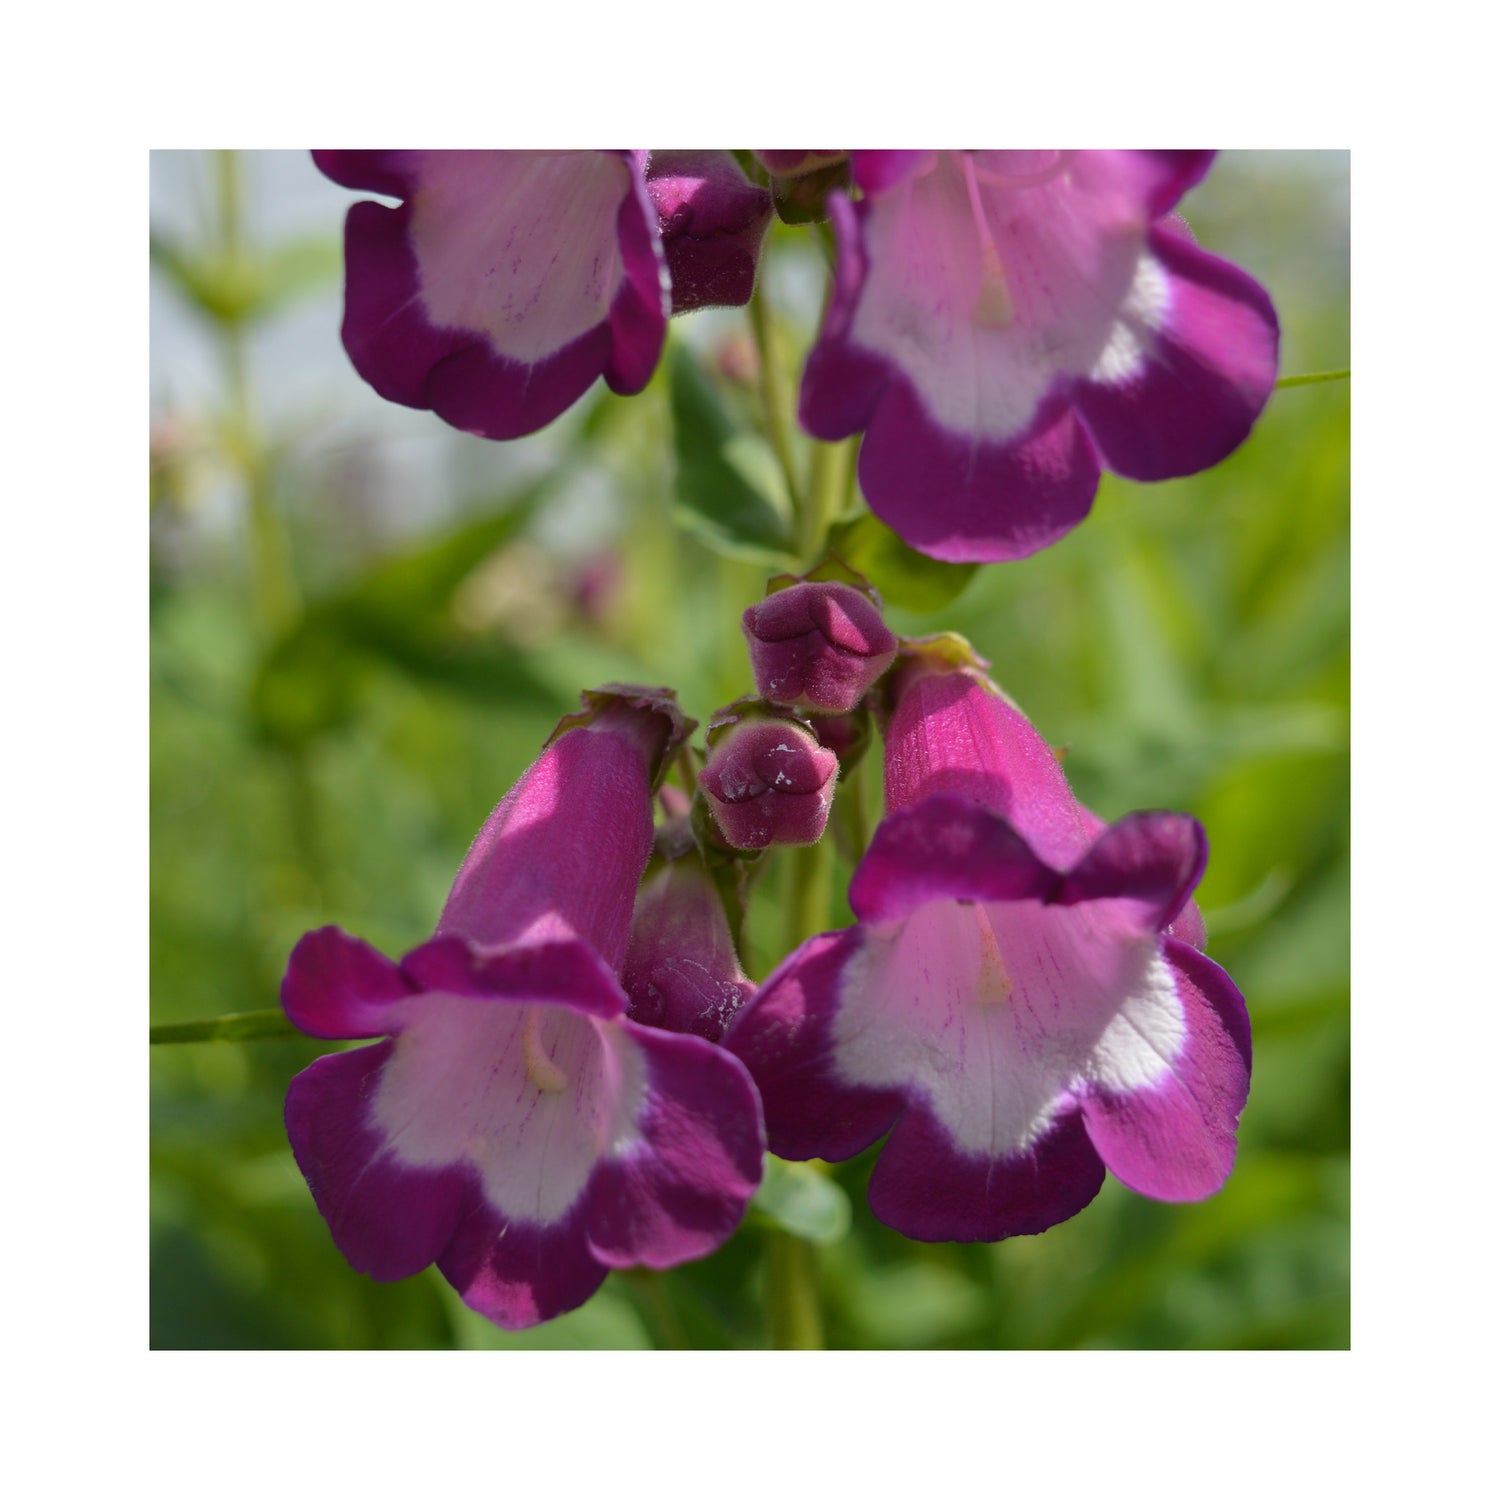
column 250, row 1025
column 904, row 577
column 727, row 487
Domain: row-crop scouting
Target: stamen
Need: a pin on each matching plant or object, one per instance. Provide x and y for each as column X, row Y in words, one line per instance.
column 992, row 307
column 992, row 984
column 540, row 1069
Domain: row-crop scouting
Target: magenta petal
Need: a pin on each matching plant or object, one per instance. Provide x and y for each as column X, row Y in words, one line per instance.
column 518, row 1275
column 945, row 847
column 389, row 1220
column 1175, row 1140
column 386, row 333
column 339, row 986
column 1201, row 379
column 783, row 1038
column 1152, row 860
column 950, row 731
column 681, row 1191
column 924, row 1187
column 958, row 498
column 881, row 171
column 388, row 172
column 566, row 973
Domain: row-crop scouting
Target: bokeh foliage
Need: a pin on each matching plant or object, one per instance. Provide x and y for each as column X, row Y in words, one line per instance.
column 1188, row 646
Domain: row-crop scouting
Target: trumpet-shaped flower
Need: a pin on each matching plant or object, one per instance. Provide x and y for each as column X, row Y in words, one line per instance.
column 1003, row 323
column 504, row 284
column 1016, row 1005
column 516, row 1127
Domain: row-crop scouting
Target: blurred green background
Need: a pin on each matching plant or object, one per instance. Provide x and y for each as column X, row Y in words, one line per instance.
column 364, row 625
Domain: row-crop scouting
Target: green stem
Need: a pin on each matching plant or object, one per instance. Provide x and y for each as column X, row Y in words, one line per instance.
column 648, row 1286
column 827, row 489
column 1316, row 378
column 796, row 1320
column 807, row 904
column 774, row 397
column 247, row 1026
column 272, row 579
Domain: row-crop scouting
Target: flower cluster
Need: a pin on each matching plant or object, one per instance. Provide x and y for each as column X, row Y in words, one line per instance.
column 578, row 1075
column 1002, row 324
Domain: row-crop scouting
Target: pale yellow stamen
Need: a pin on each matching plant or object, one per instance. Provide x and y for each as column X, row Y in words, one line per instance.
column 993, row 307
column 540, row 1069
column 992, row 984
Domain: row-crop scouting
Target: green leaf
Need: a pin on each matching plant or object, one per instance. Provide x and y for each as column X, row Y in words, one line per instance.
column 728, row 491
column 313, row 679
column 799, row 1199
column 904, row 577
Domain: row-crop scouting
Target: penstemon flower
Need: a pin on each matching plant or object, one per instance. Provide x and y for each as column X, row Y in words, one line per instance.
column 1004, row 323
column 1017, row 1005
column 506, row 282
column 516, row 1127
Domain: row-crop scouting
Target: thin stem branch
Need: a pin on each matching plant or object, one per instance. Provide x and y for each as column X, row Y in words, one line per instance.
column 246, row 1026
column 796, row 1319
column 1317, row 377
column 774, row 397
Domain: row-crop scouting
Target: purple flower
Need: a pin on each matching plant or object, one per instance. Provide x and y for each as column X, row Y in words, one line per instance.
column 767, row 781
column 1003, row 323
column 504, row 284
column 817, row 646
column 712, row 220
column 517, row 1128
column 1013, row 1005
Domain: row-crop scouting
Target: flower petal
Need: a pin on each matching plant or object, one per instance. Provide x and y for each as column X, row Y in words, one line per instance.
column 1189, row 367
column 1174, row 1139
column 951, row 731
column 390, row 1219
column 504, row 285
column 783, row 1038
column 960, row 499
column 926, row 1188
column 679, row 1187
column 566, row 972
column 945, row 847
column 518, row 1275
column 1148, row 862
column 339, row 986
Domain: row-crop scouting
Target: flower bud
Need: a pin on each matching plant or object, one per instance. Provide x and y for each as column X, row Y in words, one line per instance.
column 768, row 781
column 712, row 220
column 817, row 646
column 681, row 971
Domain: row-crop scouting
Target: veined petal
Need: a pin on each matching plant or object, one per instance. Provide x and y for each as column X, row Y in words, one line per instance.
column 562, row 853
column 952, row 732
column 505, row 284
column 1174, row 1138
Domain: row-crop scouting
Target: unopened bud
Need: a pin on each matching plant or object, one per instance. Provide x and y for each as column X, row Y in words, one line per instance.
column 712, row 219
column 817, row 645
column 768, row 781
